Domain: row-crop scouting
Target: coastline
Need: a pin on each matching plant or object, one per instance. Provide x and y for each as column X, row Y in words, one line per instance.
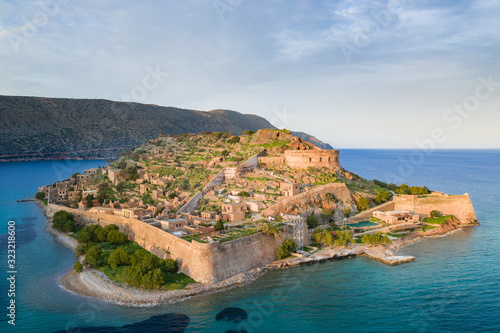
column 93, row 283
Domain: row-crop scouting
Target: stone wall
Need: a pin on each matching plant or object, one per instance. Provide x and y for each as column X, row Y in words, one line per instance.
column 303, row 159
column 458, row 205
column 195, row 259
column 249, row 252
column 270, row 161
column 340, row 191
column 204, row 262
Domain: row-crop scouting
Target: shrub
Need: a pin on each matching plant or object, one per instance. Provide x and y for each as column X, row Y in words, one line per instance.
column 326, row 214
column 118, row 257
column 77, row 267
column 40, row 195
column 80, row 249
column 376, row 239
column 90, row 201
column 116, row 237
column 435, row 213
column 244, row 194
column 83, row 237
column 382, row 196
column 234, row 139
column 347, row 212
column 363, row 203
column 219, row 225
column 92, row 256
column 312, row 221
column 64, row 221
column 343, row 238
column 286, row 248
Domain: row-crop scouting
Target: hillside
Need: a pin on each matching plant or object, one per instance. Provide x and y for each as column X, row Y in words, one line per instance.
column 36, row 127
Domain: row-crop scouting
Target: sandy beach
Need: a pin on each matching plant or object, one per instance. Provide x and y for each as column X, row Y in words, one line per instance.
column 96, row 284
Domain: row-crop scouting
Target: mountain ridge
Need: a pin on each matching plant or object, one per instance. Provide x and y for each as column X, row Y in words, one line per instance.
column 41, row 127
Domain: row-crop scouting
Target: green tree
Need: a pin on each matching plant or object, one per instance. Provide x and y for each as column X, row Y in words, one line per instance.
column 376, row 239
column 435, row 213
column 92, row 256
column 83, row 236
column 343, row 238
column 382, row 196
column 219, row 225
column 326, row 214
column 101, row 197
column 347, row 212
column 90, row 201
column 234, row 139
column 116, row 237
column 40, row 195
column 270, row 228
column 118, row 257
column 102, row 236
column 363, row 203
column 77, row 267
column 64, row 221
column 285, row 249
column 80, row 249
column 312, row 221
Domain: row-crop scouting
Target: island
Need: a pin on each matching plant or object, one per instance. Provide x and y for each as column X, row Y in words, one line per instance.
column 182, row 215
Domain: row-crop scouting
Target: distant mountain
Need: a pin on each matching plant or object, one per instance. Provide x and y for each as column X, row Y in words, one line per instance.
column 38, row 127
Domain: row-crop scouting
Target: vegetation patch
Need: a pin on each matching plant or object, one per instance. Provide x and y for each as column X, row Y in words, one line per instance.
column 109, row 251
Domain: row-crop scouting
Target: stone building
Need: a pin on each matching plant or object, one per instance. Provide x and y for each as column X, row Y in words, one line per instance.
column 233, row 212
column 115, row 176
column 173, row 224
column 289, row 189
column 209, row 215
column 133, row 212
column 397, row 216
column 302, row 159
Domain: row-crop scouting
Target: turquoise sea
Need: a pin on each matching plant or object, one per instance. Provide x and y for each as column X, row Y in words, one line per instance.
column 452, row 286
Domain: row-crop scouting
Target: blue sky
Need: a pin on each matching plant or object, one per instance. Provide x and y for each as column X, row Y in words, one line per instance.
column 357, row 74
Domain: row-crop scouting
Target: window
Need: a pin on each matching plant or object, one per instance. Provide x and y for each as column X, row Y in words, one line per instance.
column 321, row 159
column 329, row 159
column 310, row 159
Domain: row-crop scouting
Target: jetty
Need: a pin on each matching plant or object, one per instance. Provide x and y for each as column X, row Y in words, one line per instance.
column 377, row 253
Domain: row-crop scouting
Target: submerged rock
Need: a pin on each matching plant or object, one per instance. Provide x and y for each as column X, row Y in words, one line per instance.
column 170, row 322
column 232, row 314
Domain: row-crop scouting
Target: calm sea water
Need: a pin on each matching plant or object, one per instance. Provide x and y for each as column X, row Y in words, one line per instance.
column 453, row 286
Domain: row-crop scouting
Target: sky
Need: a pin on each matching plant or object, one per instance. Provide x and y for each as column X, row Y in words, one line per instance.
column 356, row 74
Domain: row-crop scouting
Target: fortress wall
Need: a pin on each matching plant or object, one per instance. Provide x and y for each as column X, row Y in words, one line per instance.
column 315, row 158
column 272, row 160
column 458, row 205
column 195, row 259
column 248, row 252
column 340, row 191
column 204, row 262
